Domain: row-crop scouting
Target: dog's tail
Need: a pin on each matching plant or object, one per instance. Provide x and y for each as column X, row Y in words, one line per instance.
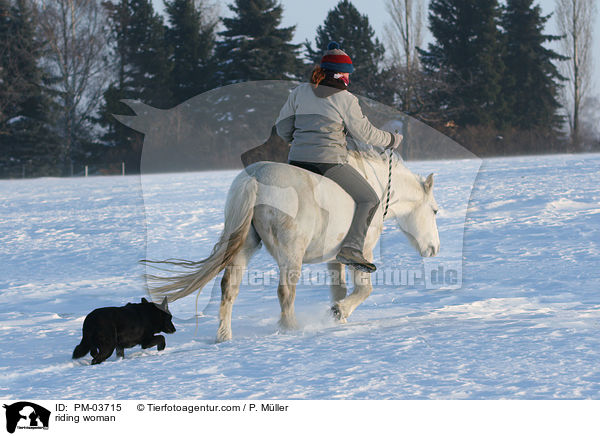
column 239, row 210
column 82, row 349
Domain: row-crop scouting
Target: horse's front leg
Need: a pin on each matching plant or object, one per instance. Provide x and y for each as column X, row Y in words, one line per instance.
column 337, row 275
column 362, row 289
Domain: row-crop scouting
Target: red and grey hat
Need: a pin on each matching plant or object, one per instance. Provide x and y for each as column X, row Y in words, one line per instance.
column 336, row 59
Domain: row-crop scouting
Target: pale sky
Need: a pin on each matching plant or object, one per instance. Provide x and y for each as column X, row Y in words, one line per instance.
column 307, row 15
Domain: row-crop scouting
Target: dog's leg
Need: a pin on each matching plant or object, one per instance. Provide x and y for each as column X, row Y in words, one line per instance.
column 102, row 355
column 103, row 345
column 94, row 351
column 158, row 340
column 120, row 352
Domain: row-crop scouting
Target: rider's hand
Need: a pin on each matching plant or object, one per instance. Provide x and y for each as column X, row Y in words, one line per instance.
column 397, row 141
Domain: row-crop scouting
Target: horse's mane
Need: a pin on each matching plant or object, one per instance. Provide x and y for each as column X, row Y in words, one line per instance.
column 360, row 150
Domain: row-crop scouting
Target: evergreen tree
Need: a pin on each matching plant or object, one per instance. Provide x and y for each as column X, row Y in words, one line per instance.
column 466, row 58
column 530, row 82
column 356, row 37
column 116, row 135
column 254, row 47
column 142, row 72
column 148, row 68
column 27, row 140
column 192, row 40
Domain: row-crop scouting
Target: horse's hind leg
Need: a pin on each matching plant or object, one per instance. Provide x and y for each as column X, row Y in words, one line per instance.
column 290, row 269
column 283, row 240
column 230, row 284
column 337, row 275
column 289, row 274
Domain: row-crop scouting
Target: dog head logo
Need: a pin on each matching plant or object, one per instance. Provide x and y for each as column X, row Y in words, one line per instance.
column 26, row 415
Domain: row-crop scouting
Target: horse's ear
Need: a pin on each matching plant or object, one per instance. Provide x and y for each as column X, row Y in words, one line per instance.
column 164, row 303
column 428, row 185
column 144, row 300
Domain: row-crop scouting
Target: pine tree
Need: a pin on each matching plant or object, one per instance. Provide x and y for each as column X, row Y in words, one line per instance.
column 192, row 40
column 27, row 139
column 254, row 47
column 345, row 25
column 116, row 135
column 142, row 72
column 149, row 76
column 466, row 59
column 531, row 80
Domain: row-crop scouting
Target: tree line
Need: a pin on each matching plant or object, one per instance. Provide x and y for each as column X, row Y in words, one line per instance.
column 487, row 78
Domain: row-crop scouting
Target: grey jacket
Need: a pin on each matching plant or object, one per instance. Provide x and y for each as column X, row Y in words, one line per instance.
column 317, row 126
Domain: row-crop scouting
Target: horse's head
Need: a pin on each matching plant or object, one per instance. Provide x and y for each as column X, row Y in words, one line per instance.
column 415, row 209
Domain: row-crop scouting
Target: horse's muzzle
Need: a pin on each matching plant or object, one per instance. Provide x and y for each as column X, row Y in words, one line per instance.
column 431, row 251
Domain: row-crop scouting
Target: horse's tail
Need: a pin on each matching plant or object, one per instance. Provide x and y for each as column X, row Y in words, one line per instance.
column 239, row 209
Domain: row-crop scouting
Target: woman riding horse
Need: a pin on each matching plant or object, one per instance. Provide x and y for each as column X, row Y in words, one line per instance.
column 316, row 119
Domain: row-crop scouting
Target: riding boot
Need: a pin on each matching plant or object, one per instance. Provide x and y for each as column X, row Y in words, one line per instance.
column 353, row 257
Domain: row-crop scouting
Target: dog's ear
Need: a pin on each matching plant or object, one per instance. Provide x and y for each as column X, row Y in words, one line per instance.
column 163, row 305
column 144, row 300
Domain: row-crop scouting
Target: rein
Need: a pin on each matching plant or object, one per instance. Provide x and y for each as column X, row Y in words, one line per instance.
column 389, row 184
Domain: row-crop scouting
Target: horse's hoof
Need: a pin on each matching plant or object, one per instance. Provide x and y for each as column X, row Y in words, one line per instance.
column 288, row 325
column 337, row 314
column 223, row 337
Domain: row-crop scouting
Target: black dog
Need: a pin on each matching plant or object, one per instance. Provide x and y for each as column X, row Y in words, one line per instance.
column 108, row 328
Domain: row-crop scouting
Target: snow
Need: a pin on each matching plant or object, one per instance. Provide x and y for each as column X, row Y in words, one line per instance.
column 16, row 119
column 524, row 324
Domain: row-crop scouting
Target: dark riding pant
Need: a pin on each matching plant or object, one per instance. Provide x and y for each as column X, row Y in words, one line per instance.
column 365, row 197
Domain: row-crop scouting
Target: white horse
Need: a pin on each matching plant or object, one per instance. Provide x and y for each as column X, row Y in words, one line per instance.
column 302, row 217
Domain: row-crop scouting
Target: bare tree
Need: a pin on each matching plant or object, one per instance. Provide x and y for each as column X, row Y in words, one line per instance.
column 575, row 21
column 590, row 124
column 404, row 34
column 77, row 37
column 210, row 12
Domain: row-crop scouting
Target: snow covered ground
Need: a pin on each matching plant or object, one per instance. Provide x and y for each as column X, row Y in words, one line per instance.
column 524, row 324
